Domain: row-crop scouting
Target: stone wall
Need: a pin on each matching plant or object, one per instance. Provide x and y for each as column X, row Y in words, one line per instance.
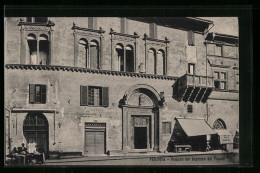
column 66, row 132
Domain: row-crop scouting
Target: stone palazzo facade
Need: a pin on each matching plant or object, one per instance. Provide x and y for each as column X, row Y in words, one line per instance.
column 108, row 85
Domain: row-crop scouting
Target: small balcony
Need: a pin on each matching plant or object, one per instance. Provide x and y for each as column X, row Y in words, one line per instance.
column 193, row 88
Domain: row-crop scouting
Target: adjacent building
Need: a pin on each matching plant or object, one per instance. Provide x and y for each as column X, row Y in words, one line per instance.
column 99, row 85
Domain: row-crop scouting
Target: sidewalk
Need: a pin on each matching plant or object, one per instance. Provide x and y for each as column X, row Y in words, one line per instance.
column 139, row 159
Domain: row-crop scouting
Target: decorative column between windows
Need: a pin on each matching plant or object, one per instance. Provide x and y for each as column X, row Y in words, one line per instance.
column 127, row 41
column 88, row 35
column 157, row 45
column 51, row 58
column 28, row 29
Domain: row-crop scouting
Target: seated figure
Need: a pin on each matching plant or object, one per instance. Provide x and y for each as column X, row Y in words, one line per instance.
column 22, row 150
column 14, row 152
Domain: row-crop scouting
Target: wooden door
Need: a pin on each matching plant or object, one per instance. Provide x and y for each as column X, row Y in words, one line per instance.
column 90, row 142
column 95, row 142
column 99, row 142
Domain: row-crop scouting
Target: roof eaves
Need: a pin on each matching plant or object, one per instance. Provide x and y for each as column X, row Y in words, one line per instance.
column 201, row 20
column 226, row 35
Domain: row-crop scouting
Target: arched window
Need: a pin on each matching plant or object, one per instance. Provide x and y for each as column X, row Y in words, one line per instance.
column 94, row 54
column 160, row 62
column 151, row 62
column 120, row 57
column 125, row 58
column 88, row 54
column 32, row 48
column 82, row 53
column 129, row 52
column 43, row 50
column 38, row 49
column 219, row 124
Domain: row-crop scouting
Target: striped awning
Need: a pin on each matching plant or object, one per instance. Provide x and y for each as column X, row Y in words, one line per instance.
column 195, row 127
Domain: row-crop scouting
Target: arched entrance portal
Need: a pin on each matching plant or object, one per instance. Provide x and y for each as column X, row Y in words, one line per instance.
column 140, row 107
column 35, row 130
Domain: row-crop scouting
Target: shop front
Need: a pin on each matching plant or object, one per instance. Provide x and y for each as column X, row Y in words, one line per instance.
column 195, row 134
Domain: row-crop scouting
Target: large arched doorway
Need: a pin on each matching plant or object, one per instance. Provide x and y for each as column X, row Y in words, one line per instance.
column 35, row 130
column 141, row 119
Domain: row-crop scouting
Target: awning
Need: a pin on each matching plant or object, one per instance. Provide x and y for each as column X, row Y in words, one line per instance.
column 225, row 136
column 195, row 127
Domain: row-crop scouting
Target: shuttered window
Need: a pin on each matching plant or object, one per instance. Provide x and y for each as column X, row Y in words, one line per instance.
column 83, row 95
column 37, row 93
column 94, row 96
column 105, row 97
column 166, row 127
column 31, row 93
column 191, row 39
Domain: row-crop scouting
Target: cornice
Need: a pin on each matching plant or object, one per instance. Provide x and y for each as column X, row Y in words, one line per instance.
column 87, row 70
column 112, row 32
column 75, row 27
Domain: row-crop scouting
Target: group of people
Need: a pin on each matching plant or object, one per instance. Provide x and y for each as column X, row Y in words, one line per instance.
column 16, row 153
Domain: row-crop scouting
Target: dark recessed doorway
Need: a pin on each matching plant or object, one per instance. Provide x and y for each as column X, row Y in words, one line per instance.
column 140, row 137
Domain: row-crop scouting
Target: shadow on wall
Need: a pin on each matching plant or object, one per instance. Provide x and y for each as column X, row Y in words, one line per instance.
column 175, row 93
column 170, row 147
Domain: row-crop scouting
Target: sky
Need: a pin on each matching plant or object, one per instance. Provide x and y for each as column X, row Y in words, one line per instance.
column 224, row 25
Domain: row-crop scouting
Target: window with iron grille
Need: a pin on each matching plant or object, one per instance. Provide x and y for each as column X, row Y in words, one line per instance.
column 220, row 80
column 37, row 94
column 94, row 96
column 166, row 127
column 189, row 108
